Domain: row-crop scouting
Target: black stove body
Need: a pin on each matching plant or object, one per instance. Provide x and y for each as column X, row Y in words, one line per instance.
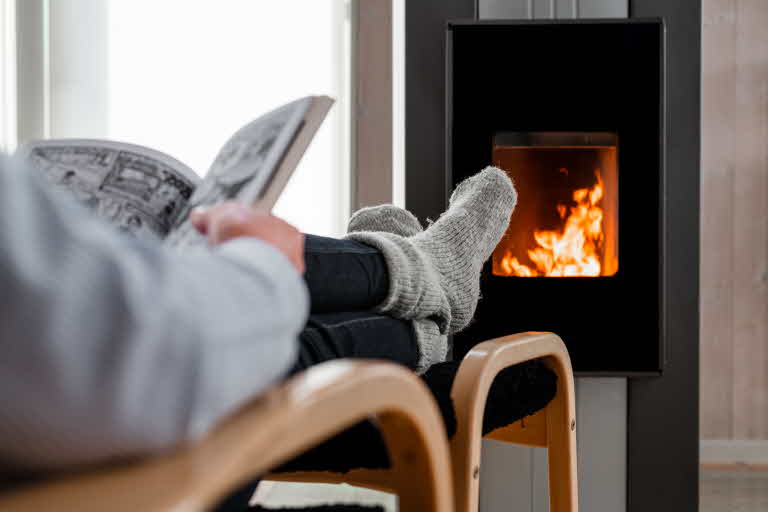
column 554, row 103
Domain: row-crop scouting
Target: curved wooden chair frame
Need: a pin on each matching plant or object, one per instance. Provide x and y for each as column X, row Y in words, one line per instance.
column 554, row 427
column 295, row 415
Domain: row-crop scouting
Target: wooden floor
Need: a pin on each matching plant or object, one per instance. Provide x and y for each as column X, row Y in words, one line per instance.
column 723, row 489
column 734, row 491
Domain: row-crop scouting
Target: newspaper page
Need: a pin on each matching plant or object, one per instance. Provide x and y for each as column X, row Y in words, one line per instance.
column 139, row 190
column 244, row 165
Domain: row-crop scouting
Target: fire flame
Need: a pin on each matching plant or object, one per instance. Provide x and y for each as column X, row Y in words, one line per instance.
column 575, row 249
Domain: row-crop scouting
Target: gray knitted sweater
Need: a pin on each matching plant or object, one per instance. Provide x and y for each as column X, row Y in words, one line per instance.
column 112, row 348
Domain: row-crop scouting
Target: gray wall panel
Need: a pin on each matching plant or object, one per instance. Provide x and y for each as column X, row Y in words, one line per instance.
column 566, row 8
column 543, row 9
column 508, row 9
column 505, row 477
column 528, row 9
column 539, row 480
column 603, row 8
column 425, row 102
column 601, row 412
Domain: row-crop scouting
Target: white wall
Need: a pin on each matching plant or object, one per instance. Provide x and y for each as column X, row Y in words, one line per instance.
column 79, row 69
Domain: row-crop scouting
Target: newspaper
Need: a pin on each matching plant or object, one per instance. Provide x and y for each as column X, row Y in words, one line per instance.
column 140, row 191
column 243, row 166
column 148, row 194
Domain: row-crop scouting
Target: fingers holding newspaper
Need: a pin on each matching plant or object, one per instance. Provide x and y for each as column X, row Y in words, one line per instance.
column 231, row 219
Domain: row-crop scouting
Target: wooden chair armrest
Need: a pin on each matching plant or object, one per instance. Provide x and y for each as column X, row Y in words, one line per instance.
column 470, row 390
column 295, row 415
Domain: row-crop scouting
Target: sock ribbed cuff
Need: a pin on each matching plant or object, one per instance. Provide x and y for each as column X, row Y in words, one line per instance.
column 433, row 345
column 386, row 218
column 415, row 290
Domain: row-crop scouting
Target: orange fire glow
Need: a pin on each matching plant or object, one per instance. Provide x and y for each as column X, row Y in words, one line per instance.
column 574, row 250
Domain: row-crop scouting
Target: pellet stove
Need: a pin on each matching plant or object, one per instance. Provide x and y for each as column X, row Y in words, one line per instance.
column 524, row 84
column 573, row 111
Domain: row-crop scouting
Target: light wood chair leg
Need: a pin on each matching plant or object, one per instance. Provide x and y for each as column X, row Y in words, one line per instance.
column 561, row 443
column 412, row 474
column 556, row 430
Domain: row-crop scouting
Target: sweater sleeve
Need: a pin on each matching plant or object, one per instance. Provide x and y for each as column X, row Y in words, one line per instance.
column 111, row 347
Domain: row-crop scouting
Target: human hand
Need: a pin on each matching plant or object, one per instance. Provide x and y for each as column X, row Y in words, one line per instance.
column 230, row 220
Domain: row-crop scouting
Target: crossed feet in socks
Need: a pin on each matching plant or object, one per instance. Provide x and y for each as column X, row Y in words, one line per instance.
column 435, row 273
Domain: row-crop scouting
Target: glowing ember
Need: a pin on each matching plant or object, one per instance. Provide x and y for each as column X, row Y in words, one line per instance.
column 575, row 249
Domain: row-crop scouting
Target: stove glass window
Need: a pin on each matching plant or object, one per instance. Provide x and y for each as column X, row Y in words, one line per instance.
column 566, row 223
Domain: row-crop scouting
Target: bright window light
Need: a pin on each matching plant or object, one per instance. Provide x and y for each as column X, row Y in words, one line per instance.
column 7, row 76
column 184, row 75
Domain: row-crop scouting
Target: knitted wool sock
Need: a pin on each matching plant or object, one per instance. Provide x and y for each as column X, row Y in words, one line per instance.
column 435, row 274
column 433, row 345
column 386, row 218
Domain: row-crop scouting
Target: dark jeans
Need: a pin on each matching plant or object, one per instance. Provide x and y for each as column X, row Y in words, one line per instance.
column 346, row 279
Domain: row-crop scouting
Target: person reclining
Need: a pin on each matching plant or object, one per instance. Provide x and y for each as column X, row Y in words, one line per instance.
column 113, row 347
